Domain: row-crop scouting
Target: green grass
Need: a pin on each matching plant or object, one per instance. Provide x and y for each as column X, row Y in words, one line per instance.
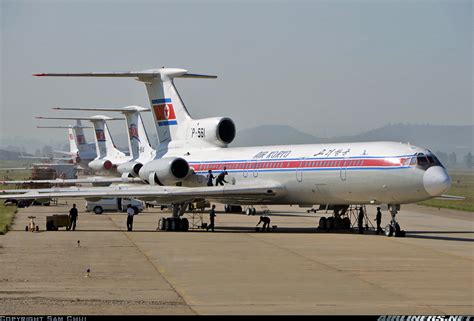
column 462, row 185
column 7, row 213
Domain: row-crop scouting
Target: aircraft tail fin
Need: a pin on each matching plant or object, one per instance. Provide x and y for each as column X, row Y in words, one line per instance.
column 168, row 109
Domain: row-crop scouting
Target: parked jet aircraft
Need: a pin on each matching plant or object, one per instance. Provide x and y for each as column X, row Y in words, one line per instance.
column 140, row 148
column 338, row 174
column 80, row 151
column 108, row 156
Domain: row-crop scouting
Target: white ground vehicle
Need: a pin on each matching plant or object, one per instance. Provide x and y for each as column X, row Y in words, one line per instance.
column 114, row 204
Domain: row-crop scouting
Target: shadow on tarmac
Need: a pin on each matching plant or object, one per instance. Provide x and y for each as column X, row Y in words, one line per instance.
column 414, row 234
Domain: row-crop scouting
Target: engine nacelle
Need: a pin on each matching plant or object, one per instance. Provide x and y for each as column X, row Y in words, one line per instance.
column 132, row 168
column 218, row 131
column 165, row 171
column 100, row 164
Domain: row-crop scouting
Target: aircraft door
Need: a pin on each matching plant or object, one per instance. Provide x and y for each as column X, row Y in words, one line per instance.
column 245, row 170
column 255, row 168
column 343, row 171
column 299, row 170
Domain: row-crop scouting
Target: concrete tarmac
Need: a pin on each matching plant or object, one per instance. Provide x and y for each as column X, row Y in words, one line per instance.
column 235, row 270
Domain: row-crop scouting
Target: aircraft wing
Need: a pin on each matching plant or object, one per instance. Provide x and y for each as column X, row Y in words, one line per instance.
column 91, row 180
column 165, row 194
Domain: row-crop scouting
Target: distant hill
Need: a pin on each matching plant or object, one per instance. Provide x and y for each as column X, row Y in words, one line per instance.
column 11, row 155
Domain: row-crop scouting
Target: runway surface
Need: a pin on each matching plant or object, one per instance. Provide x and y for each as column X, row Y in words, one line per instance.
column 236, row 270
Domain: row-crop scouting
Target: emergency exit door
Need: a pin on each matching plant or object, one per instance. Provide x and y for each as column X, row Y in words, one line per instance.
column 343, row 171
column 299, row 170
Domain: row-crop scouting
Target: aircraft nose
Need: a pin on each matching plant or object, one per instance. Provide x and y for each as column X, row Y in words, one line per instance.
column 436, row 180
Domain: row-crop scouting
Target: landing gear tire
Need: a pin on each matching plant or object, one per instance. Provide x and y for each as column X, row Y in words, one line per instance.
column 254, row 211
column 330, row 223
column 184, row 225
column 388, row 230
column 346, row 223
column 173, row 224
column 161, row 224
column 323, row 223
column 248, row 211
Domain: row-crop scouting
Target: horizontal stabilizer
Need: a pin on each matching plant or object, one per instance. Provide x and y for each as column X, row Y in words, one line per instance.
column 98, row 117
column 67, row 127
column 122, row 110
column 151, row 73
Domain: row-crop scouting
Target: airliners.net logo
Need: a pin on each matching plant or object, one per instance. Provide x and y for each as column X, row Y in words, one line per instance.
column 425, row 318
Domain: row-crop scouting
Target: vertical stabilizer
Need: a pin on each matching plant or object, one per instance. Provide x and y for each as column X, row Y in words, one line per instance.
column 82, row 145
column 169, row 112
column 72, row 141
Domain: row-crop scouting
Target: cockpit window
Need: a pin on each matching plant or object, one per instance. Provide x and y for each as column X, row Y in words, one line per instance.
column 425, row 161
column 422, row 160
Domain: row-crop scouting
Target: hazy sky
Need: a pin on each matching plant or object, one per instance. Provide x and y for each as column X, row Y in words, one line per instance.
column 325, row 67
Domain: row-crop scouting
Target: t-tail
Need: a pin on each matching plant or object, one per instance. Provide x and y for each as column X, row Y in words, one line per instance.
column 139, row 145
column 107, row 152
column 172, row 119
column 77, row 142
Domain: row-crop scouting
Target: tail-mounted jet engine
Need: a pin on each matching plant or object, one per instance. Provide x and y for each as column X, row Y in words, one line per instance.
column 132, row 168
column 165, row 171
column 100, row 164
column 218, row 131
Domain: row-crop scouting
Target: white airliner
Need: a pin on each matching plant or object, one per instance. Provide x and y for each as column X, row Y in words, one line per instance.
column 389, row 173
column 80, row 152
column 140, row 148
column 108, row 156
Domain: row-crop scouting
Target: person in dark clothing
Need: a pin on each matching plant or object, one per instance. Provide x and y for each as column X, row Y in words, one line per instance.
column 378, row 219
column 212, row 215
column 221, row 178
column 266, row 223
column 73, row 217
column 130, row 214
column 360, row 220
column 210, row 177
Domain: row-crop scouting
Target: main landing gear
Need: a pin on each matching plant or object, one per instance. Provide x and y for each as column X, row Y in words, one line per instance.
column 393, row 228
column 250, row 210
column 176, row 222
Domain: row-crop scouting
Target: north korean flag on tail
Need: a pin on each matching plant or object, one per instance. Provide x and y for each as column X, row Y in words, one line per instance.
column 164, row 112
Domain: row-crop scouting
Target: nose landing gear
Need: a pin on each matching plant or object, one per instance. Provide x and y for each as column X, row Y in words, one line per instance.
column 393, row 229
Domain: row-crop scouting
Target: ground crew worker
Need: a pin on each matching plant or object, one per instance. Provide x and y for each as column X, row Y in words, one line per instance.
column 212, row 214
column 221, row 178
column 378, row 219
column 361, row 220
column 210, row 177
column 266, row 222
column 73, row 217
column 130, row 214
